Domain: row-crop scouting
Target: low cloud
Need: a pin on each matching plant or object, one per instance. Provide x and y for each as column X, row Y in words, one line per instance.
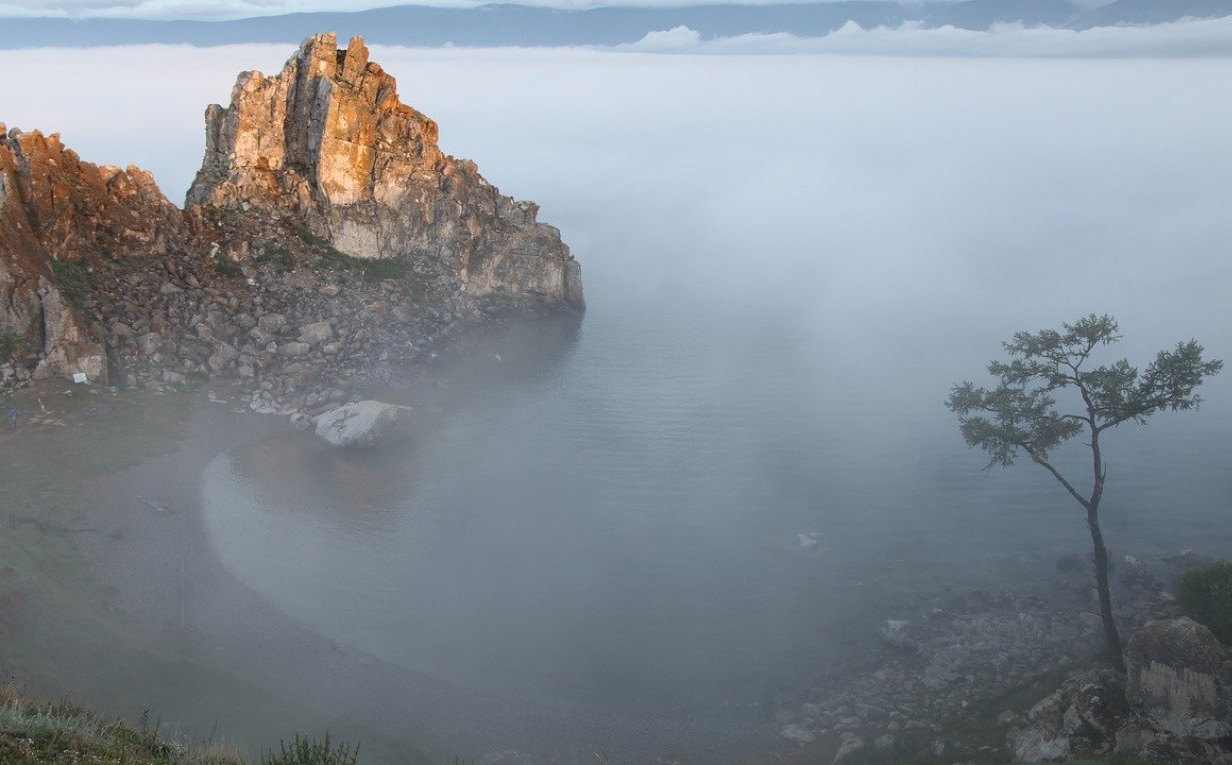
column 235, row 9
column 185, row 9
column 1185, row 38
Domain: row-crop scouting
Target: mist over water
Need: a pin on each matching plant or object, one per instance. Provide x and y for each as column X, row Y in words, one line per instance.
column 788, row 261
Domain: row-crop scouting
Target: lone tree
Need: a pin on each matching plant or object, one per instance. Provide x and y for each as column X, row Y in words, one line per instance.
column 1021, row 416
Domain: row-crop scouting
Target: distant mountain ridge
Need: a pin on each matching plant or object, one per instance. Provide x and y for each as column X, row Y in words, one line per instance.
column 520, row 25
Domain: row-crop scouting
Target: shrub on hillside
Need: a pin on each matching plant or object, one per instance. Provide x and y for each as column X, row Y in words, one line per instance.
column 304, row 751
column 1205, row 595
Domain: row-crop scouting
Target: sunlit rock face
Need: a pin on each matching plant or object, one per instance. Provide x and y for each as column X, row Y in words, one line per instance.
column 54, row 208
column 329, row 141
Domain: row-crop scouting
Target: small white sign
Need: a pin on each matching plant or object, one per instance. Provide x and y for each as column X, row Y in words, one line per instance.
column 79, row 377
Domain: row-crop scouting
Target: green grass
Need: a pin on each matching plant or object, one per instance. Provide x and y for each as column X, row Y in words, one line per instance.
column 226, row 267
column 51, row 734
column 10, row 343
column 369, row 269
column 64, row 734
column 73, row 279
column 275, row 257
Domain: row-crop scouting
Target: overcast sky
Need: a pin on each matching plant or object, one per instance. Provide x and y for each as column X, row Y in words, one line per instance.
column 229, row 9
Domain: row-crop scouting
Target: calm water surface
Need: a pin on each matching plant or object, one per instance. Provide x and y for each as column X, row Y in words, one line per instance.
column 789, row 260
column 667, row 507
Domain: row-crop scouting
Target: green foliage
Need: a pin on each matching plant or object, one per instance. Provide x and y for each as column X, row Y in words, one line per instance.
column 1020, row 414
column 276, row 257
column 1205, row 595
column 10, row 343
column 73, row 279
column 369, row 269
column 227, row 267
column 304, row 751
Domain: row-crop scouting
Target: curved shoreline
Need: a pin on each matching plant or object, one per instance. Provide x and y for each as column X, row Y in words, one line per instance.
column 162, row 571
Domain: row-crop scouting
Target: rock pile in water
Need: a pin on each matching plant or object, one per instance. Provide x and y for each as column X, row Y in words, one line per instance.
column 326, row 241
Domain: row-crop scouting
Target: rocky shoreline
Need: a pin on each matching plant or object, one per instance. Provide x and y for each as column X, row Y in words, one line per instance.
column 327, row 244
column 958, row 676
column 977, row 677
column 297, row 331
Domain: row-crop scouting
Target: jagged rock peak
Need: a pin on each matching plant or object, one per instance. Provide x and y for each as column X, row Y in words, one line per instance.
column 56, row 206
column 320, row 118
column 58, row 212
column 329, row 141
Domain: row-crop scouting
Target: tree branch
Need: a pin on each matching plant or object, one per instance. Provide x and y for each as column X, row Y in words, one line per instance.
column 1057, row 475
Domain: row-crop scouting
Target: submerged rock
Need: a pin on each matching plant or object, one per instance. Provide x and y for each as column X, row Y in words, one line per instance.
column 899, row 634
column 363, row 424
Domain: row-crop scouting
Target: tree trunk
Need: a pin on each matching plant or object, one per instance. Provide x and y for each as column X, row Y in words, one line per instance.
column 1112, row 639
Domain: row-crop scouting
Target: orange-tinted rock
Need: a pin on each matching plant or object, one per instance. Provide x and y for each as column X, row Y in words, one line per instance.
column 56, row 208
column 102, row 275
column 329, row 139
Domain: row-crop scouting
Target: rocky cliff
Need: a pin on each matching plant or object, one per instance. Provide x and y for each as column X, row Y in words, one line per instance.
column 326, row 240
column 59, row 218
column 329, row 141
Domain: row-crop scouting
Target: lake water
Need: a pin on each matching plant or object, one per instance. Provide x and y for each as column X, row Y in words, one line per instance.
column 709, row 491
column 720, row 480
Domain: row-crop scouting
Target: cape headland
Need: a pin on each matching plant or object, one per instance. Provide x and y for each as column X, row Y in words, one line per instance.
column 327, row 241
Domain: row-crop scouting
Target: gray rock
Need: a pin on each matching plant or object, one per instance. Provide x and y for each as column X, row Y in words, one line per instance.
column 1177, row 675
column 1039, row 745
column 149, row 343
column 272, row 323
column 318, row 332
column 1082, row 717
column 848, row 748
column 362, row 424
column 226, row 352
column 294, row 349
column 898, row 634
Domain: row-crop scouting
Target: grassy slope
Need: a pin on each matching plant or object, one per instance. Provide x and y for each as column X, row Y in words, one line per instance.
column 60, row 733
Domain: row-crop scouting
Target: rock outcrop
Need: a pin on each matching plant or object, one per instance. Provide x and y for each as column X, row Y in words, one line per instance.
column 327, row 241
column 1173, row 706
column 1181, row 677
column 329, row 142
column 1082, row 717
column 59, row 218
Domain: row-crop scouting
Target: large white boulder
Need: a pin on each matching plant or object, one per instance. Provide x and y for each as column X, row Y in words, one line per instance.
column 1178, row 674
column 362, row 424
